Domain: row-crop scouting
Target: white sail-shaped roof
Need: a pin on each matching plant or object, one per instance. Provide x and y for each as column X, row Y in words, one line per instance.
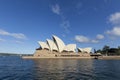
column 43, row 45
column 52, row 45
column 87, row 49
column 70, row 47
column 80, row 49
column 59, row 43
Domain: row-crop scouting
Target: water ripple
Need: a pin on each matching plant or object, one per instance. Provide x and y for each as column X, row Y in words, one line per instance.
column 15, row 68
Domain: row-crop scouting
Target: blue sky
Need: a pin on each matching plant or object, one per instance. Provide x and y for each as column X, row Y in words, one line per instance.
column 87, row 23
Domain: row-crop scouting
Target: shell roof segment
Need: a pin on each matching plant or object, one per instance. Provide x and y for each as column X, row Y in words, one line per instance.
column 52, row 45
column 87, row 49
column 43, row 45
column 70, row 47
column 59, row 43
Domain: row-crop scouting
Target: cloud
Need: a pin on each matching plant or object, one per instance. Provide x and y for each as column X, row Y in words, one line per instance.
column 114, row 32
column 56, row 9
column 19, row 42
column 65, row 24
column 84, row 39
column 15, row 35
column 94, row 41
column 81, row 39
column 18, row 35
column 115, row 18
column 2, row 32
column 2, row 40
column 99, row 36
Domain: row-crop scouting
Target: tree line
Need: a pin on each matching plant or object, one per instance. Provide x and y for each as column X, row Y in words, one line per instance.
column 106, row 50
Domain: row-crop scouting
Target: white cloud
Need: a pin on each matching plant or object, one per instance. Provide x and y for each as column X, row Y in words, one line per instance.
column 18, row 35
column 99, row 36
column 66, row 25
column 115, row 18
column 15, row 35
column 81, row 39
column 84, row 39
column 2, row 32
column 114, row 32
column 19, row 42
column 56, row 9
column 1, row 40
column 94, row 41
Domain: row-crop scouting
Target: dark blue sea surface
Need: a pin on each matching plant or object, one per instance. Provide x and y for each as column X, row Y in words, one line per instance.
column 16, row 68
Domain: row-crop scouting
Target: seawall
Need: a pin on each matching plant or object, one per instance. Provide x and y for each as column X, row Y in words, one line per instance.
column 32, row 57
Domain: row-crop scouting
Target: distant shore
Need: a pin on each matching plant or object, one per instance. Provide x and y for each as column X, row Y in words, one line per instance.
column 110, row 57
column 102, row 57
column 14, row 54
column 31, row 57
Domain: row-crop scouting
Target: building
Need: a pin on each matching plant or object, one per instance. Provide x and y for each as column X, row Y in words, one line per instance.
column 55, row 47
column 85, row 50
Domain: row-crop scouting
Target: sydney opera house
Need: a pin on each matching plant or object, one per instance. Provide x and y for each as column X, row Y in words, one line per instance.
column 56, row 48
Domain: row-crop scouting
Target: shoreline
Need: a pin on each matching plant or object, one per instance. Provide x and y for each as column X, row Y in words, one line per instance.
column 102, row 57
column 111, row 57
column 32, row 57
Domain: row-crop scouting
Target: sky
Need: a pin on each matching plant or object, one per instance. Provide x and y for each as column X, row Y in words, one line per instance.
column 86, row 23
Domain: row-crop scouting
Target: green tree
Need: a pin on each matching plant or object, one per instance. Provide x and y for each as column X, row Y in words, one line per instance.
column 118, row 52
column 105, row 50
column 99, row 51
column 119, row 47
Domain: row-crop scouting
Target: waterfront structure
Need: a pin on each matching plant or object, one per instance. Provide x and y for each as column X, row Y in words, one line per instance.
column 56, row 48
column 43, row 45
column 59, row 43
column 52, row 45
column 85, row 50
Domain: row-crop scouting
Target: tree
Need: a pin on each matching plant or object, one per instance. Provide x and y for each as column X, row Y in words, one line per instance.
column 99, row 51
column 113, row 51
column 105, row 49
column 119, row 47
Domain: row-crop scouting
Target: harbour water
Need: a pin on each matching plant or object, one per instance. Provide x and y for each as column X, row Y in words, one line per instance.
column 16, row 68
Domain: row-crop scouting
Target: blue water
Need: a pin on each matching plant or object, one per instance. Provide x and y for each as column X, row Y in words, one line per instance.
column 16, row 68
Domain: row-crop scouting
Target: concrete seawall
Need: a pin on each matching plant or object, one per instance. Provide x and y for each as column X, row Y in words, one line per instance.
column 102, row 57
column 32, row 57
column 110, row 57
column 46, row 54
